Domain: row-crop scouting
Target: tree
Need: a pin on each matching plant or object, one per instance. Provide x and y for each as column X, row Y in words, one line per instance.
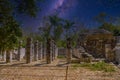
column 108, row 23
column 67, row 26
column 9, row 34
column 101, row 18
column 56, row 26
column 52, row 27
column 10, row 30
column 8, row 10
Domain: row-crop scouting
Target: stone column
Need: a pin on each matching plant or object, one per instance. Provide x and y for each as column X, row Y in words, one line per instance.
column 117, row 53
column 19, row 51
column 69, row 52
column 8, row 56
column 36, row 51
column 48, row 54
column 118, row 39
column 4, row 55
column 52, row 50
column 108, row 52
column 40, row 49
column 56, row 52
column 29, row 50
column 33, row 51
column 43, row 51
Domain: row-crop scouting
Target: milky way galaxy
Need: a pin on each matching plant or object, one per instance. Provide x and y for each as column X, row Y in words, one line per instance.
column 82, row 10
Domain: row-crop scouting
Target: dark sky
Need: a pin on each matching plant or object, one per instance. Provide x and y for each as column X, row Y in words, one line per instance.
column 76, row 10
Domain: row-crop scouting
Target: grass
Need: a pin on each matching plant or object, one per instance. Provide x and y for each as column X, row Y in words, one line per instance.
column 99, row 66
column 61, row 56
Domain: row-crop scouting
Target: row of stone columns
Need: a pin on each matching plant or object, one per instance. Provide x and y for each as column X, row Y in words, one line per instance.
column 52, row 51
column 40, row 51
column 34, row 51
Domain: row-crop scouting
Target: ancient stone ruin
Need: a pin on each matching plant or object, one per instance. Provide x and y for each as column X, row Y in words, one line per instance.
column 98, row 44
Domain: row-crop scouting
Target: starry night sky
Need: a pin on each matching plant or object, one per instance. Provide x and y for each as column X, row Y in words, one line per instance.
column 75, row 10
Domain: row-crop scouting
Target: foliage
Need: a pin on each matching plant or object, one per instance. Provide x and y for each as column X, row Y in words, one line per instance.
column 61, row 43
column 101, row 18
column 99, row 66
column 61, row 56
column 112, row 28
column 10, row 30
column 57, row 32
column 9, row 34
column 67, row 26
column 107, row 22
column 59, row 29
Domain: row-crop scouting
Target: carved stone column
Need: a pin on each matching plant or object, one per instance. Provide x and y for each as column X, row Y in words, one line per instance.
column 4, row 55
column 52, row 50
column 48, row 54
column 36, row 51
column 108, row 52
column 40, row 51
column 69, row 50
column 19, row 51
column 29, row 50
column 8, row 56
column 117, row 53
column 56, row 52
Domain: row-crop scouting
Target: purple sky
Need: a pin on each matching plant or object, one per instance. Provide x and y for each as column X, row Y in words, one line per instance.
column 76, row 10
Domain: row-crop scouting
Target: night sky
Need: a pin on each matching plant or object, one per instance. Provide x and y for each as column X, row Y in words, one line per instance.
column 75, row 10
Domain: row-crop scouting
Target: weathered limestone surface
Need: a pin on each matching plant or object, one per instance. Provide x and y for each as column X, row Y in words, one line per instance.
column 8, row 56
column 118, row 39
column 43, row 51
column 40, row 51
column 108, row 52
column 48, row 54
column 83, row 56
column 36, row 51
column 117, row 53
column 33, row 51
column 69, row 51
column 56, row 52
column 4, row 55
column 20, row 51
column 29, row 50
column 51, row 50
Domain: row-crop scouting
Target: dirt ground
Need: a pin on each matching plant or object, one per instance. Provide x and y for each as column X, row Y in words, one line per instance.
column 55, row 71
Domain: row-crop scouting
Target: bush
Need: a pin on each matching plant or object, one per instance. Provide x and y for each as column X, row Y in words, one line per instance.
column 61, row 56
column 99, row 66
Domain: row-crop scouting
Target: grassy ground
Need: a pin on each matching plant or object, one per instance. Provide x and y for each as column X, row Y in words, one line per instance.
column 98, row 66
column 61, row 57
column 57, row 71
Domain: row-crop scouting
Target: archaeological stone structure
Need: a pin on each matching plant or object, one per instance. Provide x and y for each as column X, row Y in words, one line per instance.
column 89, row 47
column 94, row 42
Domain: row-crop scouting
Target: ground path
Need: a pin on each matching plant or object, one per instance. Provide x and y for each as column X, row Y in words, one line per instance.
column 55, row 71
